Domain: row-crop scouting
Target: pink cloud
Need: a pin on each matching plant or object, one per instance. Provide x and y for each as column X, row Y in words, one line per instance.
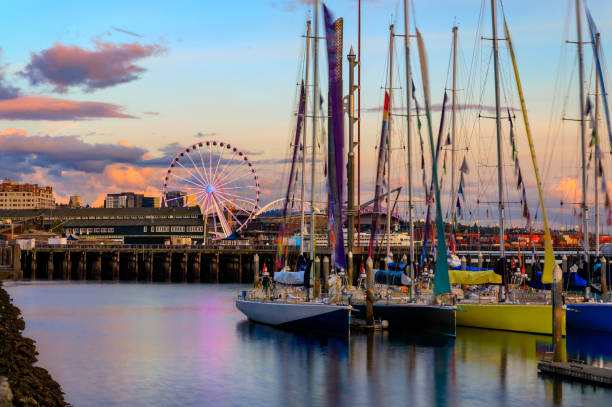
column 106, row 65
column 49, row 108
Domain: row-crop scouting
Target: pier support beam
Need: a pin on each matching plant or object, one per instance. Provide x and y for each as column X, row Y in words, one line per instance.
column 167, row 267
column 557, row 314
column 317, row 279
column 134, row 266
column 148, row 266
column 256, row 270
column 195, row 267
column 325, row 275
column 369, row 292
column 50, row 266
column 65, row 275
column 96, row 269
column 82, row 275
column 604, row 278
column 17, row 271
column 183, row 267
column 33, row 266
column 349, row 266
column 240, row 268
column 115, row 266
column 214, row 277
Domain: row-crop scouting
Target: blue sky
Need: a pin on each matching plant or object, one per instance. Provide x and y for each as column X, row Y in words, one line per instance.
column 230, row 68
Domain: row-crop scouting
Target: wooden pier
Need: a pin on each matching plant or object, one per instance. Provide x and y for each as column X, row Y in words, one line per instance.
column 577, row 371
column 150, row 263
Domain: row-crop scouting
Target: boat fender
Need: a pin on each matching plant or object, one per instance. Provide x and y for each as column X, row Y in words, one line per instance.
column 384, row 324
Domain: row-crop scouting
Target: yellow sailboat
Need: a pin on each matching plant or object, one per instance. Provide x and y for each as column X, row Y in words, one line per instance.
column 520, row 317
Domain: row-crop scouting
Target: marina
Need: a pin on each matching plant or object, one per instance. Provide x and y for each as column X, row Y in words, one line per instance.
column 448, row 243
column 172, row 344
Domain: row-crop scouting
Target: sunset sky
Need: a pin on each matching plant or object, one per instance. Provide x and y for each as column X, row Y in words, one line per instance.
column 98, row 97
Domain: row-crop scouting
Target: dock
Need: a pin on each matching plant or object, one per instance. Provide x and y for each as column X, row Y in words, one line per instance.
column 577, row 371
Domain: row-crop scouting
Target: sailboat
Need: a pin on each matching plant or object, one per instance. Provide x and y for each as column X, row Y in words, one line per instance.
column 320, row 315
column 518, row 316
column 404, row 312
column 591, row 316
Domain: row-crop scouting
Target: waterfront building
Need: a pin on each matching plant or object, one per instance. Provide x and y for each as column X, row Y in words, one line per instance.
column 130, row 225
column 14, row 195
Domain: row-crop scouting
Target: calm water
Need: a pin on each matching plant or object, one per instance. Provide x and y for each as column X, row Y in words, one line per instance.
column 186, row 345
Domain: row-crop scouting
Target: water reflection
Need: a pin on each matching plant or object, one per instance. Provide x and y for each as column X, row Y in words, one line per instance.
column 186, row 345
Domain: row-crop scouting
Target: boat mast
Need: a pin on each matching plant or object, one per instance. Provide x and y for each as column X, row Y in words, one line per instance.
column 351, row 155
column 585, row 209
column 453, row 130
column 500, row 169
column 305, row 120
column 391, row 34
column 409, row 143
column 597, row 160
column 315, row 118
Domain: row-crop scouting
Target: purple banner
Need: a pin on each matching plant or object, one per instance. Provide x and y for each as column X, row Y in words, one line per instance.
column 333, row 30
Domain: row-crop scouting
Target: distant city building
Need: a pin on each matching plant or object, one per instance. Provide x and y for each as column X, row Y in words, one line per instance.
column 151, row 202
column 123, row 200
column 14, row 195
column 175, row 199
column 131, row 200
column 75, row 201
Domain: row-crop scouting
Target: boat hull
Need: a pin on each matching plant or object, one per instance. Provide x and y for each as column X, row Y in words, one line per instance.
column 530, row 318
column 589, row 317
column 417, row 318
column 307, row 317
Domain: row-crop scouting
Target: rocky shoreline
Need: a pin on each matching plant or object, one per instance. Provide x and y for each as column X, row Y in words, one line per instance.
column 30, row 385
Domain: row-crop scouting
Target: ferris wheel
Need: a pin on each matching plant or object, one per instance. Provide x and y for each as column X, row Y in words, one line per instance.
column 220, row 179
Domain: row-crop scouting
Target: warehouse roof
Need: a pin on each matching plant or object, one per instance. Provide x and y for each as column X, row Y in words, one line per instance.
column 100, row 212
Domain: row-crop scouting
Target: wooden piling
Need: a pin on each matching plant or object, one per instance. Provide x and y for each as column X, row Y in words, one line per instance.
column 167, row 267
column 50, row 266
column 64, row 275
column 256, row 270
column 369, row 292
column 115, row 266
column 325, row 275
column 350, row 268
column 33, row 266
column 183, row 268
column 148, row 266
column 17, row 271
column 557, row 314
column 317, row 277
column 604, row 278
column 68, row 265
column 134, row 266
column 195, row 267
column 96, row 269
column 83, row 266
column 215, row 269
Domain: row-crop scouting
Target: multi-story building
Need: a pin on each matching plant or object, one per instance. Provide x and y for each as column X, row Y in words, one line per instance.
column 14, row 195
column 131, row 200
column 175, row 199
column 151, row 202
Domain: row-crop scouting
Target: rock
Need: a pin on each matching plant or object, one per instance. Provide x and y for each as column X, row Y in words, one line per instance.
column 6, row 395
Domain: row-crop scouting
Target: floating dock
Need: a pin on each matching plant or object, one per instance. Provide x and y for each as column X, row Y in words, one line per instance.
column 578, row 371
